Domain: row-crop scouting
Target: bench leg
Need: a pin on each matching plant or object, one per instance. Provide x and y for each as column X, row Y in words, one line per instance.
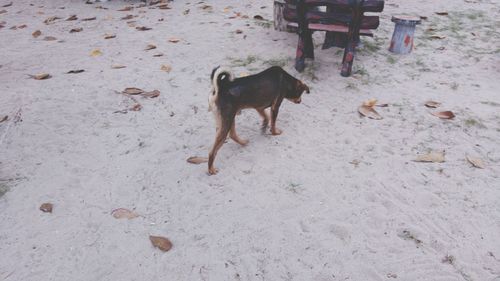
column 352, row 40
column 300, row 57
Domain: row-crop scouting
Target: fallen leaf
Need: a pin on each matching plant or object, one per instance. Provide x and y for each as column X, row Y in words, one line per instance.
column 197, row 160
column 369, row 112
column 128, row 17
column 22, row 26
column 122, row 213
column 132, row 91
column 434, row 157
column 72, row 17
column 78, row 29
column 442, row 13
column 136, row 107
column 109, row 36
column 36, row 33
column 166, row 68
column 437, row 37
column 158, row 55
column 432, row 104
column 476, row 162
column 4, row 118
column 258, row 17
column 444, row 114
column 126, row 8
column 7, row 5
column 185, row 12
column 152, row 94
column 75, row 71
column 89, row 19
column 440, row 48
column 150, row 47
column 370, row 102
column 50, row 20
column 161, row 243
column 143, row 28
column 117, row 66
column 206, row 7
column 41, row 76
column 239, row 31
column 423, row 17
column 174, row 40
column 3, row 12
column 95, row 53
column 163, row 7
column 49, row 38
column 46, row 207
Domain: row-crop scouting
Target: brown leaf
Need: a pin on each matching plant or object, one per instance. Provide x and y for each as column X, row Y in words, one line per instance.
column 369, row 112
column 476, row 162
column 75, row 71
column 46, row 207
column 437, row 37
column 78, row 29
column 239, row 31
column 133, row 91
column 440, row 48
column 143, row 28
column 117, row 66
column 174, row 40
column 423, row 17
column 89, row 19
column 36, row 33
column 197, row 160
column 158, row 55
column 50, row 20
column 72, row 17
column 3, row 12
column 95, row 53
column 442, row 13
column 122, row 213
column 432, row 104
column 258, row 17
column 164, row 7
column 206, row 7
column 7, row 5
column 49, row 38
column 166, row 68
column 161, row 243
column 109, row 36
column 150, row 47
column 126, row 8
column 22, row 26
column 4, row 118
column 370, row 102
column 136, row 107
column 444, row 114
column 434, row 157
column 152, row 94
column 128, row 17
column 41, row 76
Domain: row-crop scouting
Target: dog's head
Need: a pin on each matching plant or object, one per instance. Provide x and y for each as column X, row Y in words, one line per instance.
column 294, row 94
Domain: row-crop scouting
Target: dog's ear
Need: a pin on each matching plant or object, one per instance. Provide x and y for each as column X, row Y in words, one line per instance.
column 301, row 87
column 306, row 88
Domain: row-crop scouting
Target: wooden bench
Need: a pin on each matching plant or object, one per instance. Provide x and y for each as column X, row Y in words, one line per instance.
column 343, row 20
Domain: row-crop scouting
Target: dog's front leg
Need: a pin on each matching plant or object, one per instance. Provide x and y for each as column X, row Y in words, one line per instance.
column 274, row 115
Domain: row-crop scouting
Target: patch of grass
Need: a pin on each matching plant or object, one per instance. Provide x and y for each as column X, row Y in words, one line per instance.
column 454, row 86
column 294, row 187
column 264, row 23
column 310, row 72
column 235, row 62
column 361, row 71
column 492, row 103
column 391, row 60
column 282, row 62
column 351, row 86
column 470, row 122
column 3, row 189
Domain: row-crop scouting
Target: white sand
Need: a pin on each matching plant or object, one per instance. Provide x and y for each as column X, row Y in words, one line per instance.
column 292, row 207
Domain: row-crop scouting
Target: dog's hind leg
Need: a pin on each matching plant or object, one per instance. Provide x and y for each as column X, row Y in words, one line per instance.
column 220, row 137
column 265, row 119
column 234, row 136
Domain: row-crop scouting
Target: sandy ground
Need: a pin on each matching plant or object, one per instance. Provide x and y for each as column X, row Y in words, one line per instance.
column 336, row 197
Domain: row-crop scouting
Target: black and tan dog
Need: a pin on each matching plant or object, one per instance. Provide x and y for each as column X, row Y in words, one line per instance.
column 260, row 91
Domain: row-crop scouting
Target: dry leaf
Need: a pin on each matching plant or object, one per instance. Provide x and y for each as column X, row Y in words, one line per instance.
column 442, row 13
column 369, row 112
column 41, row 76
column 7, row 5
column 132, row 91
column 370, row 102
column 444, row 114
column 50, row 20
column 163, row 7
column 46, row 207
column 258, row 17
column 76, row 30
column 4, row 118
column 143, row 28
column 476, row 162
column 109, row 36
column 437, row 37
column 122, row 213
column 36, row 33
column 197, row 160
column 117, row 66
column 440, row 48
column 152, row 94
column 423, row 17
column 432, row 104
column 3, row 12
column 158, row 55
column 49, row 38
column 136, row 107
column 166, row 68
column 150, row 47
column 174, row 40
column 128, row 17
column 127, row 8
column 95, row 53
column 239, row 31
column 22, row 26
column 89, row 19
column 76, row 71
column 72, row 17
column 434, row 157
column 161, row 243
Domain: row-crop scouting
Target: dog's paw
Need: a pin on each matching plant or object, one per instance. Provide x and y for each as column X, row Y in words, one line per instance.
column 243, row 142
column 212, row 171
column 276, row 132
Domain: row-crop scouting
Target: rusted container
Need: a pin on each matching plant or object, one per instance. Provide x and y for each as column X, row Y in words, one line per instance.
column 404, row 31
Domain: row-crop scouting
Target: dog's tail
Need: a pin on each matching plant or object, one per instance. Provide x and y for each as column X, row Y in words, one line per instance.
column 220, row 77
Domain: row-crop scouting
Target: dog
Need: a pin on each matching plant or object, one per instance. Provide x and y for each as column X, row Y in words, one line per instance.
column 230, row 95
